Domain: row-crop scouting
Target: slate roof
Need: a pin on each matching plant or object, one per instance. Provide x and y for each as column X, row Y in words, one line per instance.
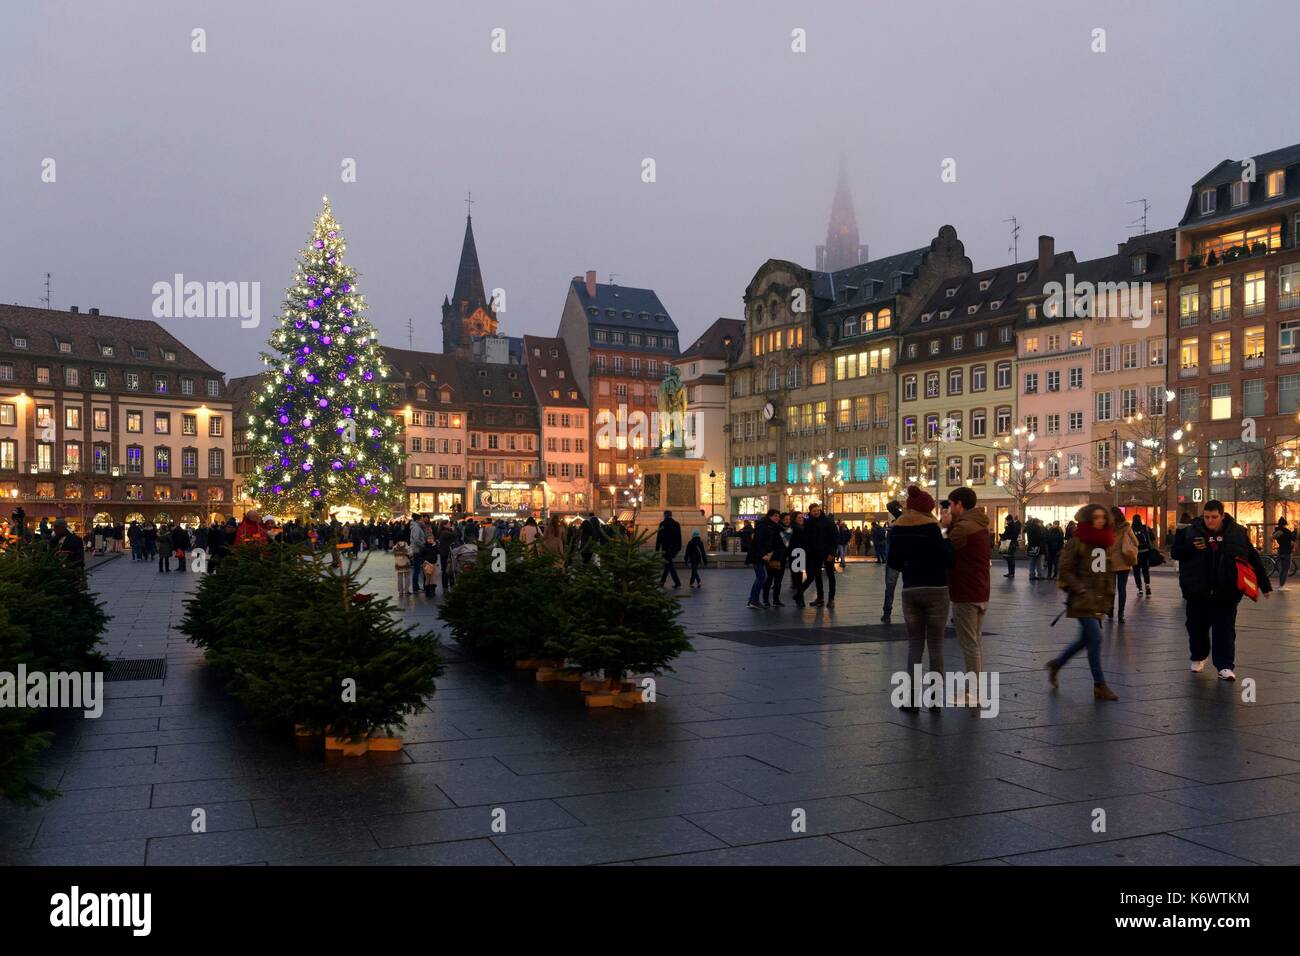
column 868, row 282
column 710, row 346
column 44, row 329
column 1005, row 287
column 624, row 307
column 542, row 385
column 1223, row 175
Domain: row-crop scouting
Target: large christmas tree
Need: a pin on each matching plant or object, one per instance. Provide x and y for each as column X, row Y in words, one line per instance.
column 319, row 429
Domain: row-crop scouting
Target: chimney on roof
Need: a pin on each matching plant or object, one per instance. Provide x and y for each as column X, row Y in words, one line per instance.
column 94, row 311
column 74, row 309
column 591, row 283
column 1046, row 253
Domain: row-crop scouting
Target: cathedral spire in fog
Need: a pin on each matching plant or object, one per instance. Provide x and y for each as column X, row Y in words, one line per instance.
column 842, row 249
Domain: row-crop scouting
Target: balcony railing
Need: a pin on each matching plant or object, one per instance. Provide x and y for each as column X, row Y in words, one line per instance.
column 1220, row 315
column 1288, row 358
column 1188, row 318
column 1251, row 309
column 1253, row 361
column 1218, row 368
column 1289, row 300
column 1189, row 371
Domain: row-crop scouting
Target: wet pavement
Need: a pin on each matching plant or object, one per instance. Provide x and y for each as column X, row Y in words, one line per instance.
column 773, row 742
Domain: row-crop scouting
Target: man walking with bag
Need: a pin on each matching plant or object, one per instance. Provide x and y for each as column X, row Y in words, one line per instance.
column 1216, row 565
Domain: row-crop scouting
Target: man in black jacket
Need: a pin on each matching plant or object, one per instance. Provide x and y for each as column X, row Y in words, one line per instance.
column 1207, row 552
column 761, row 545
column 822, row 541
column 668, row 542
column 68, row 547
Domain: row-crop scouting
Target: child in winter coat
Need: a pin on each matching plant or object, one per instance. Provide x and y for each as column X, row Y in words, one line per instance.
column 402, row 563
column 695, row 556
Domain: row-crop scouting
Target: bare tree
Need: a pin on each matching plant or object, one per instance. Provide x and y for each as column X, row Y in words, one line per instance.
column 1142, row 473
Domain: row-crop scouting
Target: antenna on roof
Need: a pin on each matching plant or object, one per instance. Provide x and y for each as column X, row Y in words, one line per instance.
column 1146, row 205
column 46, row 300
column 612, row 277
column 1014, row 248
column 410, row 334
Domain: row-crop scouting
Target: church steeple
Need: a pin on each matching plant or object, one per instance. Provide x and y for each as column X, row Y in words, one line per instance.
column 468, row 314
column 842, row 249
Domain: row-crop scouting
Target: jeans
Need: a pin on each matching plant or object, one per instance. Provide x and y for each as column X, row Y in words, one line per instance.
column 760, row 577
column 1036, row 565
column 1212, row 631
column 416, row 561
column 891, row 580
column 1121, row 590
column 1090, row 639
column 1283, row 568
column 695, row 574
column 926, row 612
column 772, row 586
column 968, row 620
column 880, row 553
column 669, row 570
column 1011, row 560
column 1052, row 558
column 1142, row 570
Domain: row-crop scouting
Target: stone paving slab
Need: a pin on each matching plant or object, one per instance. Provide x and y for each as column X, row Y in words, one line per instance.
column 742, row 737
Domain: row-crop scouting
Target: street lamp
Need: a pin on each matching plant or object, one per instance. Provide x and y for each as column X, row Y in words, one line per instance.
column 1236, row 486
column 713, row 478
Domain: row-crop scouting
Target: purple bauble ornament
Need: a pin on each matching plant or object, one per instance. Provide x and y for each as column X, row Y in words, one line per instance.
column 325, row 340
column 324, row 403
column 284, row 419
column 306, row 466
column 288, row 439
column 320, row 243
column 328, row 292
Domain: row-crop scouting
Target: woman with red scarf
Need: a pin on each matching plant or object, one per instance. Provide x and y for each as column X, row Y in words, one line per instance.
column 1087, row 576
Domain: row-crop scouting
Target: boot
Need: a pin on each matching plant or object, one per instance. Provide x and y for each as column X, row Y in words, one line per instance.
column 1053, row 669
column 1102, row 692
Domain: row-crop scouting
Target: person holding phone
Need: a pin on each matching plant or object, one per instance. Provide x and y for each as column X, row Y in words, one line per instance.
column 1208, row 551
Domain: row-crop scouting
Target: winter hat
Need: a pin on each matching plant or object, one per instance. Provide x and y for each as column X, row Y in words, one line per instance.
column 695, row 533
column 918, row 500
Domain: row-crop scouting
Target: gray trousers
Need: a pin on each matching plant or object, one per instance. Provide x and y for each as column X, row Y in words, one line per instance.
column 926, row 612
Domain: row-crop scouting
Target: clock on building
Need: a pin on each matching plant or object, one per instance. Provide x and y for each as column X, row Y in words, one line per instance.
column 768, row 411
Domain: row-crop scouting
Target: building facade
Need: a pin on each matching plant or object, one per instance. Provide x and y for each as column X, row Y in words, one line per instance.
column 813, row 394
column 702, row 369
column 429, row 398
column 504, row 446
column 563, row 413
column 468, row 312
column 621, row 343
column 108, row 418
column 959, row 423
column 1235, row 364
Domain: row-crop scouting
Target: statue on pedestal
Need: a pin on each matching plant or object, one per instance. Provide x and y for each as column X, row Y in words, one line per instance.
column 672, row 415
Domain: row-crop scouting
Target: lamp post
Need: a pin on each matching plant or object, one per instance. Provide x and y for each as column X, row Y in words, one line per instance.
column 1236, row 486
column 713, row 480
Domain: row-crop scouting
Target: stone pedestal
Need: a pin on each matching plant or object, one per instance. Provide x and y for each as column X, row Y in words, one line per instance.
column 671, row 483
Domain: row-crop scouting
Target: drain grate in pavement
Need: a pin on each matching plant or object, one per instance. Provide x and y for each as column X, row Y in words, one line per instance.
column 803, row 636
column 138, row 668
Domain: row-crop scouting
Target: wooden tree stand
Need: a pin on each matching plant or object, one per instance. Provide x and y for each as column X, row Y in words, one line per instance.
column 624, row 695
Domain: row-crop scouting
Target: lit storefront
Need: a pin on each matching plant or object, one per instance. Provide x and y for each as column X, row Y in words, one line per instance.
column 437, row 501
column 508, row 499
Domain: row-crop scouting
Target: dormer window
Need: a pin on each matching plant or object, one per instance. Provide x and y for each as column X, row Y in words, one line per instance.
column 106, row 351
column 926, row 316
column 1138, row 263
column 20, row 342
column 1240, row 192
column 537, row 353
column 168, row 355
column 995, row 304
column 1022, row 276
column 945, row 313
column 952, row 292
column 421, row 393
column 1209, row 201
column 487, row 393
column 984, row 284
column 555, row 393
column 897, row 284
column 139, row 351
column 573, row 394
column 555, row 353
column 559, row 373
column 516, row 394
column 1275, row 185
column 482, row 373
column 542, row 372
column 935, row 345
column 972, row 309
column 1031, row 312
column 65, row 347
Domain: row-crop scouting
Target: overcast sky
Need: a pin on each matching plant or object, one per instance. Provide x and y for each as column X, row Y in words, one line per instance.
column 213, row 164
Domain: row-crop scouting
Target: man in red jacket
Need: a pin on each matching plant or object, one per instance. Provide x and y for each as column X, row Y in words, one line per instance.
column 250, row 529
column 968, row 580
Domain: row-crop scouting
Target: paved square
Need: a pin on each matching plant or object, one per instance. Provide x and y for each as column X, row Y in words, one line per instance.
column 746, row 732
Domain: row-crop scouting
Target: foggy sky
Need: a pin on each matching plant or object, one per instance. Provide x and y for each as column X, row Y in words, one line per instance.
column 213, row 164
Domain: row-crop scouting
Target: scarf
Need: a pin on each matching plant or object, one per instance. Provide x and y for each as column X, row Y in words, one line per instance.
column 1097, row 537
